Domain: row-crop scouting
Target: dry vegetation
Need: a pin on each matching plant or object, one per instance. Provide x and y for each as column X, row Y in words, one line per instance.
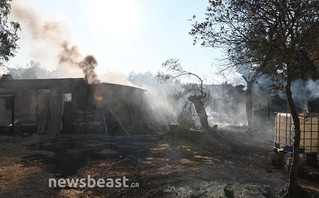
column 179, row 163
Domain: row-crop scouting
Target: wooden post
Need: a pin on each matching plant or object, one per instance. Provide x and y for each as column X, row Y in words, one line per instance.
column 119, row 121
column 268, row 114
column 12, row 112
column 37, row 105
column 105, row 126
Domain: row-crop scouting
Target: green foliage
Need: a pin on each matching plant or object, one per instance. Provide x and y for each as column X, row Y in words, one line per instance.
column 8, row 32
column 267, row 37
column 274, row 37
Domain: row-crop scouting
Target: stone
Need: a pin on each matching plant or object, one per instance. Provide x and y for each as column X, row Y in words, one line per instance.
column 228, row 192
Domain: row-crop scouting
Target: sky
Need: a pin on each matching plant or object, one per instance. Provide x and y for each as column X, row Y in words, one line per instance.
column 123, row 35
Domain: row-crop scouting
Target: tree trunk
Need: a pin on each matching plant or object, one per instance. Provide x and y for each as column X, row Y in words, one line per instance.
column 249, row 103
column 200, row 109
column 293, row 186
column 249, row 100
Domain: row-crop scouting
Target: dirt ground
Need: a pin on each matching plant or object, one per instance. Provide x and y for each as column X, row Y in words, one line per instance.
column 164, row 163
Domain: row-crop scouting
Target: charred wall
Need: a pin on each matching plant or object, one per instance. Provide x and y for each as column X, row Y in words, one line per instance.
column 6, row 110
column 71, row 103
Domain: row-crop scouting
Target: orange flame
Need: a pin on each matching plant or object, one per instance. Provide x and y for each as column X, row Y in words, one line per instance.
column 98, row 94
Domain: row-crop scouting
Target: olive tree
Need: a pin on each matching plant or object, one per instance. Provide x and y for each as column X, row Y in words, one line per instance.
column 269, row 37
column 174, row 72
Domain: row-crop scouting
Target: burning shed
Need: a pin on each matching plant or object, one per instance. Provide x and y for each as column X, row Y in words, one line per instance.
column 68, row 105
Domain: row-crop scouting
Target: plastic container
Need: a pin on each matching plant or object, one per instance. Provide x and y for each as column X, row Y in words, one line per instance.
column 284, row 133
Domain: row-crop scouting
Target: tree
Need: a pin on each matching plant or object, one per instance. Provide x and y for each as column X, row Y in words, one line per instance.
column 8, row 32
column 270, row 37
column 249, row 99
column 176, row 71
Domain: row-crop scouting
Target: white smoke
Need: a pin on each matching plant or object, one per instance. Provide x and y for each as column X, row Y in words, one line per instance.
column 302, row 90
column 161, row 106
column 3, row 70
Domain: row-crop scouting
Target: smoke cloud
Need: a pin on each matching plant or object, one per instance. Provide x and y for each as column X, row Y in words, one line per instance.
column 302, row 90
column 88, row 66
column 168, row 103
column 50, row 41
column 116, row 77
column 3, row 70
column 161, row 107
column 71, row 57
